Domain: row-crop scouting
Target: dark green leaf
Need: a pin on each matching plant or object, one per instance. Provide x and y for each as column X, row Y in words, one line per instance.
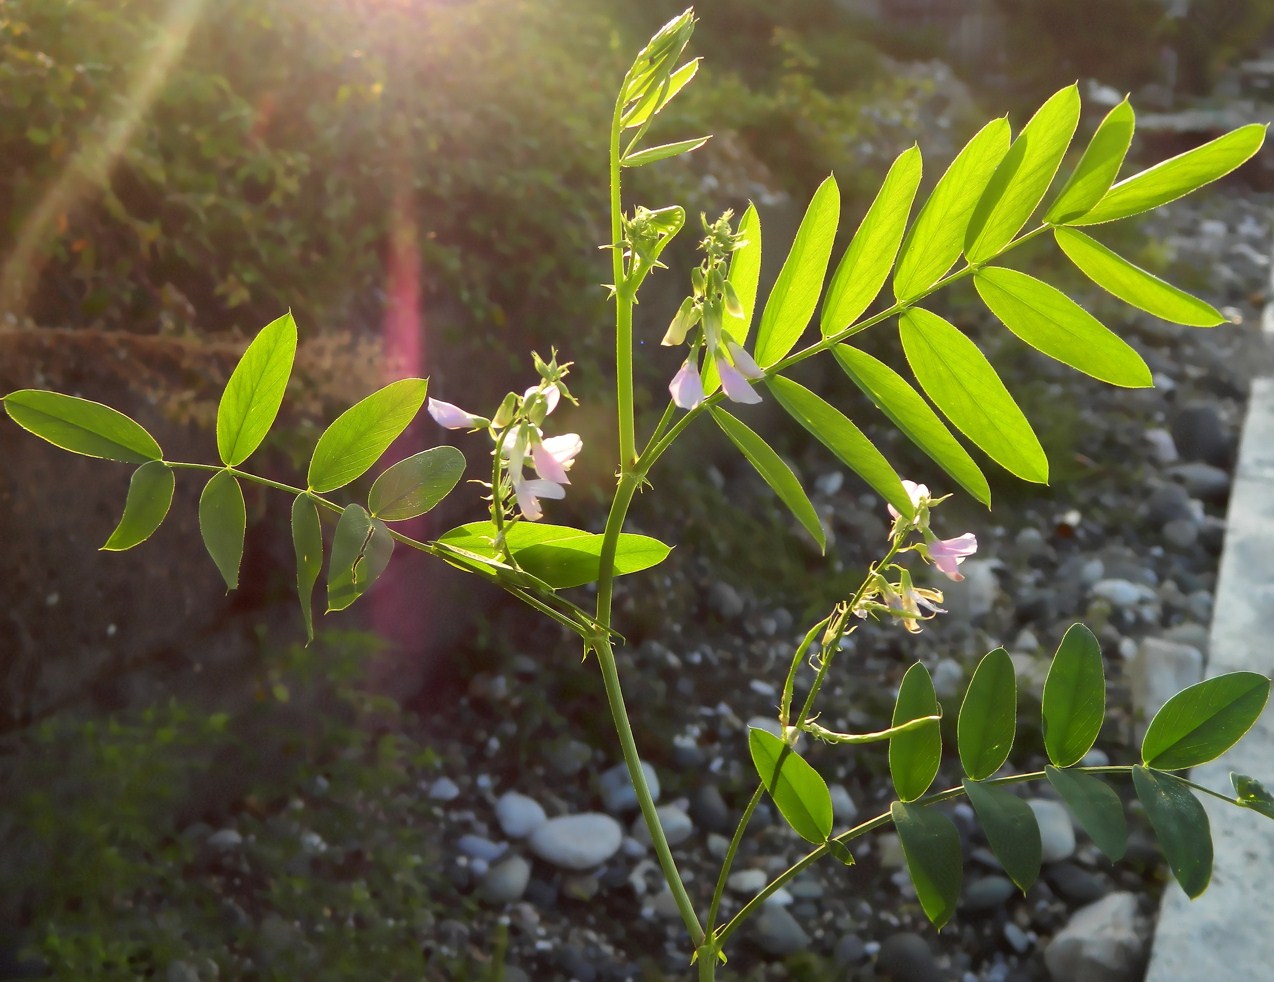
column 1202, row 722
column 937, row 235
column 1023, row 176
column 652, row 154
column 840, row 851
column 834, row 430
column 1132, row 284
column 254, row 393
column 962, row 383
column 1096, row 808
column 776, row 473
column 1074, row 701
column 1096, row 170
column 150, row 494
column 415, row 485
column 795, row 294
column 1252, row 794
column 223, row 522
column 1170, row 179
column 745, row 274
column 988, row 716
column 81, row 426
column 358, row 437
column 1181, row 825
column 1051, row 322
column 1011, row 831
column 931, row 846
column 870, row 256
column 797, row 789
column 307, row 542
column 361, row 548
column 911, row 414
column 914, row 757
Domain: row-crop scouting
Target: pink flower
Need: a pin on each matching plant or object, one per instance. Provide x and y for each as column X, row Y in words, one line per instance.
column 947, row 554
column 917, row 492
column 529, row 493
column 736, row 384
column 686, row 387
column 743, row 361
column 553, row 457
column 455, row 418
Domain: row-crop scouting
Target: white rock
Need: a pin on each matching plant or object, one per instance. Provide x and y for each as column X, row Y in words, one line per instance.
column 976, row 594
column 519, row 815
column 577, row 841
column 616, row 788
column 676, row 824
column 844, row 808
column 1103, row 942
column 747, row 881
column 506, row 881
column 1057, row 834
column 948, row 678
column 1122, row 593
column 444, row 789
column 1157, row 671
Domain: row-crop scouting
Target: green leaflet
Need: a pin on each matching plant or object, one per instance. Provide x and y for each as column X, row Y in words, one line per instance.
column 361, row 548
column 1051, row 322
column 413, row 486
column 834, row 430
column 962, row 383
column 653, row 154
column 1170, row 179
column 870, row 256
column 223, row 522
column 911, row 414
column 558, row 556
column 653, row 101
column 1074, row 700
column 795, row 295
column 1096, row 808
column 1181, row 825
column 1252, row 794
column 1203, row 721
column 797, row 789
column 776, row 473
column 1132, row 284
column 745, row 274
column 255, row 391
column 1011, row 830
column 988, row 716
column 937, row 235
column 150, row 494
column 307, row 543
column 356, row 439
column 81, row 426
column 914, row 756
column 1023, row 176
column 1097, row 168
column 931, row 847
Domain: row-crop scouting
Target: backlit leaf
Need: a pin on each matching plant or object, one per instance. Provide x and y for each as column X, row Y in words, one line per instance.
column 1011, row 830
column 653, row 154
column 658, row 96
column 1202, row 722
column 988, row 716
column 361, row 548
column 223, row 522
column 914, row 756
column 254, row 393
column 1097, row 168
column 307, row 543
column 1096, row 808
column 931, row 847
column 81, row 426
column 358, row 437
column 150, row 494
column 1074, row 700
column 797, row 789
column 1251, row 793
column 415, row 485
column 1181, row 825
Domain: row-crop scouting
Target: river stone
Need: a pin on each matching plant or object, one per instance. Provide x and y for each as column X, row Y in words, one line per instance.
column 506, row 881
column 617, row 791
column 676, row 824
column 1199, row 433
column 519, row 815
column 577, row 841
column 987, row 892
column 1057, row 834
column 907, row 957
column 1101, row 943
column 777, row 932
column 1157, row 671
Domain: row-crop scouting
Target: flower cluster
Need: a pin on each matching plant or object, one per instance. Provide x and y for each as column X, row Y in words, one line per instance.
column 520, row 441
column 945, row 554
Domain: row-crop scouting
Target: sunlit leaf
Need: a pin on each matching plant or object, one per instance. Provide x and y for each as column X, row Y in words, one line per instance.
column 1181, row 825
column 914, row 756
column 775, row 473
column 1170, row 179
column 962, row 383
column 745, row 274
column 415, row 485
column 307, row 543
column 1132, row 284
column 255, row 391
column 988, row 716
column 1097, row 168
column 1252, row 794
column 1202, row 722
column 931, row 847
column 795, row 294
column 653, row 154
column 937, row 235
column 655, row 99
column 1096, row 808
column 1011, row 830
column 81, row 426
column 150, row 494
column 1074, row 700
column 1023, row 176
column 870, row 256
column 834, row 430
column 1051, row 322
column 911, row 414
column 797, row 789
column 223, row 522
column 361, row 548
column 358, row 437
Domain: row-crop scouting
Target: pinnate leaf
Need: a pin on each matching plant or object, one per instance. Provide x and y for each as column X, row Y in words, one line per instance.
column 255, row 391
column 361, row 548
column 223, row 522
column 658, row 96
column 1203, row 721
column 914, row 756
column 1096, row 808
column 988, row 716
column 150, row 494
column 358, row 437
column 415, row 485
column 1181, row 825
column 1011, row 830
column 81, row 426
column 798, row 790
column 307, row 543
column 1074, row 700
column 931, row 847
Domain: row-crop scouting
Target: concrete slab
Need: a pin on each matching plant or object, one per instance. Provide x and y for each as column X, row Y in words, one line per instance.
column 1226, row 933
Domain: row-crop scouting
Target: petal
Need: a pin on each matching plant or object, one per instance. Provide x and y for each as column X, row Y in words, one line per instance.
column 547, row 465
column 957, row 548
column 743, row 361
column 453, row 417
column 686, row 387
column 735, row 385
column 551, row 396
column 527, row 502
column 564, row 448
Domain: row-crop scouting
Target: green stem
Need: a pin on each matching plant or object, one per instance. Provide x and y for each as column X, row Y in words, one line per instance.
column 728, row 860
